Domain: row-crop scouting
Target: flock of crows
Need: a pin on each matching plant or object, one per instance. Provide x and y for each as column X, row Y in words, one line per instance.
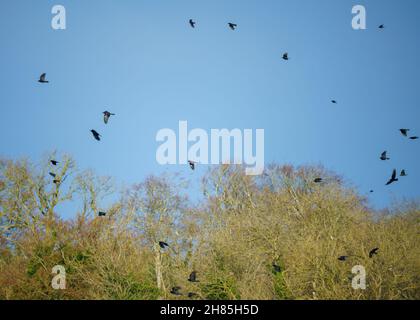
column 276, row 268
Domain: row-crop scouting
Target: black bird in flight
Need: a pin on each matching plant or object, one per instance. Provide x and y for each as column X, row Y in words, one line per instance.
column 343, row 258
column 101, row 214
column 404, row 132
column 54, row 163
column 192, row 164
column 232, row 25
column 107, row 115
column 96, row 135
column 403, row 173
column 414, row 138
column 175, row 291
column 286, row 56
column 393, row 178
column 42, row 78
column 192, row 23
column 334, row 101
column 193, row 277
column 318, row 180
column 384, row 157
column 52, row 174
column 371, row 191
column 381, row 26
column 163, row 244
column 276, row 268
column 373, row 252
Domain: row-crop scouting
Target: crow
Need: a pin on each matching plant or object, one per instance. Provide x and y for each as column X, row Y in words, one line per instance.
column 232, row 25
column 404, row 132
column 318, row 180
column 343, row 258
column 107, row 115
column 175, row 291
column 383, row 156
column 192, row 23
column 276, row 268
column 192, row 164
column 373, row 252
column 101, row 214
column 286, row 56
column 193, row 277
column 42, row 78
column 403, row 173
column 414, row 138
column 52, row 174
column 334, row 101
column 381, row 26
column 96, row 135
column 54, row 163
column 371, row 191
column 163, row 244
column 393, row 178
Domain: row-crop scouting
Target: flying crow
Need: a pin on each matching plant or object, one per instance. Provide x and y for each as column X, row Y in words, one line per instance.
column 42, row 78
column 107, row 115
column 96, row 135
column 232, row 25
column 192, row 23
column 393, row 178
column 383, row 156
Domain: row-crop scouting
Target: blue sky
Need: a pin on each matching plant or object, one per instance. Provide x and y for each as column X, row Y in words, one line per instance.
column 141, row 60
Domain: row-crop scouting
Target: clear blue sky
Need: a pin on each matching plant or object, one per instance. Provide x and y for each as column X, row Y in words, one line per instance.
column 141, row 60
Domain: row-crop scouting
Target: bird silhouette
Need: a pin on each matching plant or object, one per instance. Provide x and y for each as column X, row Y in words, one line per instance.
column 192, row 23
column 175, row 291
column 232, row 25
column 393, row 178
column 52, row 174
column 107, row 115
column 343, row 258
column 334, row 101
column 373, row 252
column 192, row 164
column 191, row 294
column 96, row 135
column 163, row 244
column 403, row 173
column 384, row 156
column 54, row 162
column 193, row 277
column 318, row 180
column 56, row 181
column 371, row 191
column 101, row 214
column 42, row 78
column 404, row 132
column 381, row 26
column 414, row 138
column 286, row 56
